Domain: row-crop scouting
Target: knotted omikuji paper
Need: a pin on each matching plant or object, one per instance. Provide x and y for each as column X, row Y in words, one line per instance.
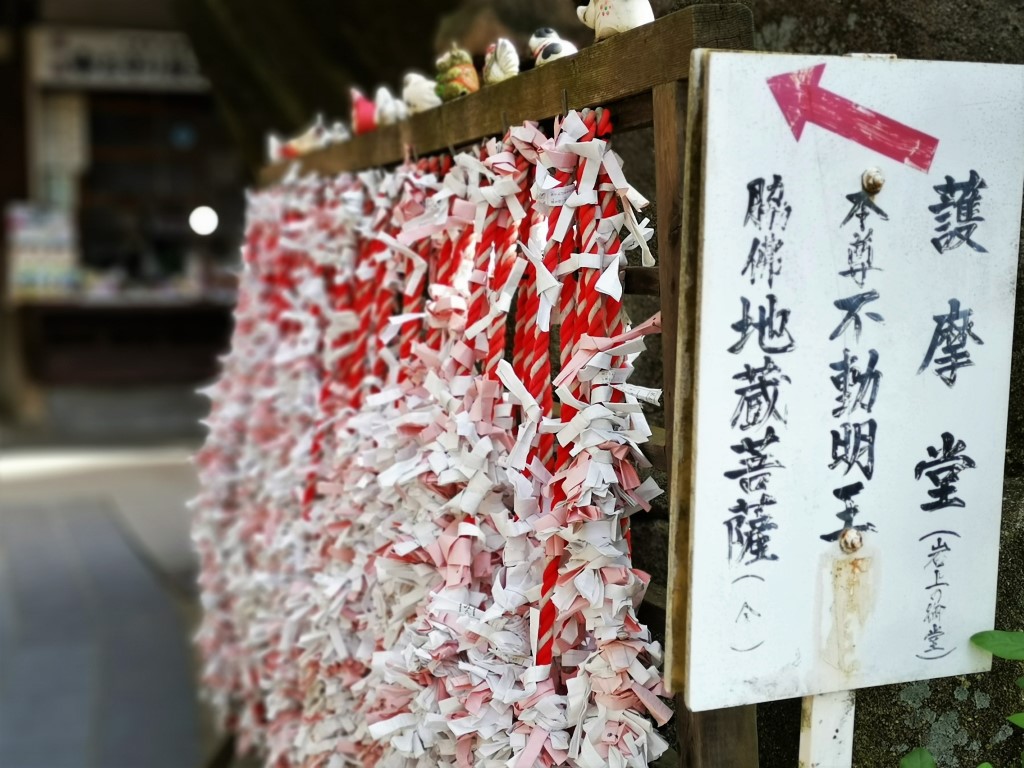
column 415, row 552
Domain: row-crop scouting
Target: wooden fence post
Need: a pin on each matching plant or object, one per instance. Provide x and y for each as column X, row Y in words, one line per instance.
column 724, row 738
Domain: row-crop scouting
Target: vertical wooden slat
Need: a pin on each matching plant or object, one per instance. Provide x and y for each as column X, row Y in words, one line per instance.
column 675, row 164
column 721, row 738
column 669, row 110
column 677, row 167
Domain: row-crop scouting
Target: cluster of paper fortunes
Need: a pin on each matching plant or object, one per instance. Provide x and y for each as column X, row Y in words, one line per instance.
column 411, row 556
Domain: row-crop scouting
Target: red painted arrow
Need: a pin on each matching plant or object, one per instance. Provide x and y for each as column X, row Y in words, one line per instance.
column 802, row 100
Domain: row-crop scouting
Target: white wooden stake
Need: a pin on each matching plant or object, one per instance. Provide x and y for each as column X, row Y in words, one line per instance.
column 826, row 730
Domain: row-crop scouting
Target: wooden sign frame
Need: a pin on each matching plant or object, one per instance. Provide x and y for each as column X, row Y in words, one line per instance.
column 827, row 721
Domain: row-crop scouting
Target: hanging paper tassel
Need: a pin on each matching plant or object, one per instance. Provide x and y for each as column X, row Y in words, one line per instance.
column 398, row 568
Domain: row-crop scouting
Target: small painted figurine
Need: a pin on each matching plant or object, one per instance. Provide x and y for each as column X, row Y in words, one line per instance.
column 364, row 113
column 501, row 62
column 315, row 137
column 609, row 17
column 546, row 45
column 337, row 133
column 456, row 75
column 389, row 109
column 420, row 93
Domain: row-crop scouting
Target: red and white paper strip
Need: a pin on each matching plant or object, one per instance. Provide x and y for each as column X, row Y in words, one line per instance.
column 375, row 506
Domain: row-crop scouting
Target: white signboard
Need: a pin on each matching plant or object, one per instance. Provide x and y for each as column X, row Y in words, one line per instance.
column 853, row 371
column 114, row 60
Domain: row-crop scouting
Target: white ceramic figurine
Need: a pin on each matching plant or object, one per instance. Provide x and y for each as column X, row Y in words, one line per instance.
column 389, row 109
column 337, row 133
column 609, row 17
column 311, row 139
column 546, row 45
column 500, row 62
column 420, row 93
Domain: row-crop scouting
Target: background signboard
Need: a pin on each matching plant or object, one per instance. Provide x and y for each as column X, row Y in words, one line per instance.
column 82, row 59
column 853, row 370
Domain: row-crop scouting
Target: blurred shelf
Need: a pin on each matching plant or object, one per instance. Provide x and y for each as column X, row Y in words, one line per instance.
column 122, row 341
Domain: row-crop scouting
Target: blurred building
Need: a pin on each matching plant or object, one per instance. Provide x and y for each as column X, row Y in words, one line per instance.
column 124, row 121
column 123, row 206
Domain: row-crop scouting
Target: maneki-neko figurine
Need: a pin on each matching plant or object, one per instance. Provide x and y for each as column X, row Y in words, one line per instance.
column 609, row 17
column 546, row 45
column 456, row 75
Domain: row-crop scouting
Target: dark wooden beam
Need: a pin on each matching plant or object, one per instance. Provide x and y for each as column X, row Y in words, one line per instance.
column 244, row 95
column 275, row 65
column 301, row 73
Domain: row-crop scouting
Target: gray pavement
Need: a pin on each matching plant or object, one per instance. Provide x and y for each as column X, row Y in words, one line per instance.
column 95, row 666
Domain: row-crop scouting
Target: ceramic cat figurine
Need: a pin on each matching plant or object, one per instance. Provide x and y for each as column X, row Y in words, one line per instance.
column 609, row 17
column 546, row 45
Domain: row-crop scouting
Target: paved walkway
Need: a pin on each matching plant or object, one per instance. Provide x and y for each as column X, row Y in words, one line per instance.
column 95, row 667
column 148, row 489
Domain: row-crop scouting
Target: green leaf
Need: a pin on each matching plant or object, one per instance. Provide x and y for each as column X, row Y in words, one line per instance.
column 985, row 765
column 1020, row 682
column 1005, row 645
column 1017, row 719
column 919, row 758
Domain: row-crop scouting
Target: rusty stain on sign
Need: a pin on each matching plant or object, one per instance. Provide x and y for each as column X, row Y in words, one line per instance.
column 848, row 594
